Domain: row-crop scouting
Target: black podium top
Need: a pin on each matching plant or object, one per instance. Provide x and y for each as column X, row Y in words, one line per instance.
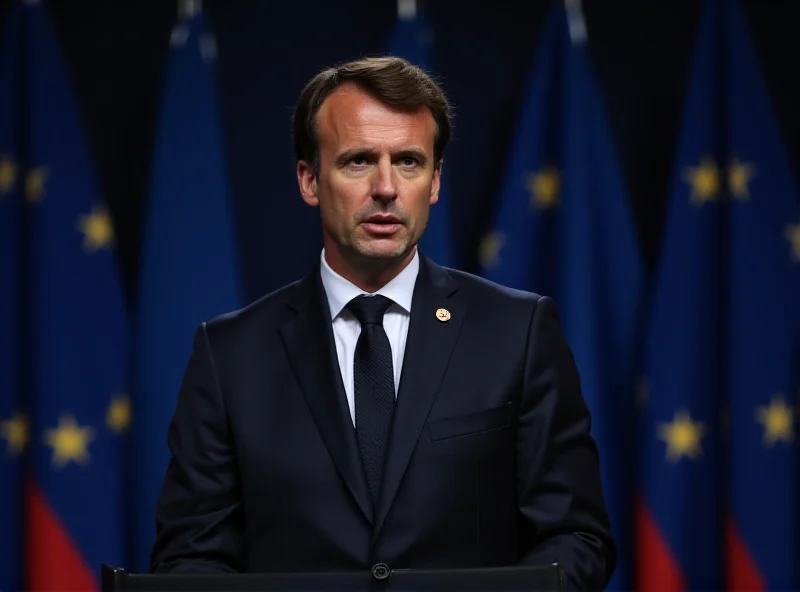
column 380, row 577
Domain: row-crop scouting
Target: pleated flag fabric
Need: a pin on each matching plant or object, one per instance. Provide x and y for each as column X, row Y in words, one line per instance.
column 13, row 416
column 764, row 333
column 189, row 270
column 719, row 494
column 80, row 409
column 563, row 228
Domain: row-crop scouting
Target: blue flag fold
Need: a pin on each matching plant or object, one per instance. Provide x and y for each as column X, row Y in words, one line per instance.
column 764, row 319
column 563, row 228
column 189, row 270
column 681, row 439
column 80, row 407
column 13, row 417
column 719, row 464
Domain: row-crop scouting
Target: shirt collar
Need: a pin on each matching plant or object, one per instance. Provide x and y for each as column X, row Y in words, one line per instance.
column 341, row 291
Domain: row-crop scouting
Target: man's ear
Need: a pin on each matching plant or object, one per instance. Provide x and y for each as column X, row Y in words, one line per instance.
column 307, row 181
column 436, row 184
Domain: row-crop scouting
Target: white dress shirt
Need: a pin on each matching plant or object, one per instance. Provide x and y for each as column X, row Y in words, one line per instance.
column 346, row 327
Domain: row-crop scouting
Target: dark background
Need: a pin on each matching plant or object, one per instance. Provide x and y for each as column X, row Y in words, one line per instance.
column 483, row 53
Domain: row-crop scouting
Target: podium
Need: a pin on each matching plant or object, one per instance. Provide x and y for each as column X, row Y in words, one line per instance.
column 380, row 577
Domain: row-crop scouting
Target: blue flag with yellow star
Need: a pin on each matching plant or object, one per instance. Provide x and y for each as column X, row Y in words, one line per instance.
column 719, row 482
column 764, row 328
column 412, row 40
column 78, row 337
column 680, row 517
column 13, row 419
column 563, row 228
column 189, row 269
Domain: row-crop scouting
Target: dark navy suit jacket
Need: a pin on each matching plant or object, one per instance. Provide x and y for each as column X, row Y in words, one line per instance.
column 490, row 460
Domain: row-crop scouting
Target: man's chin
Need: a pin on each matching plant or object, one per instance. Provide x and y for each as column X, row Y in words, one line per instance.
column 383, row 250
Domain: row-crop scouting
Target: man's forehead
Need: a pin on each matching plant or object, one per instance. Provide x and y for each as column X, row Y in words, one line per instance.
column 350, row 110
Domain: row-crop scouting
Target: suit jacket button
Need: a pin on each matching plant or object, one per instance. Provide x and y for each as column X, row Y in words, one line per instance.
column 381, row 571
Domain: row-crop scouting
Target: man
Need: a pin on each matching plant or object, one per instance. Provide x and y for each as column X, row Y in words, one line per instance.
column 383, row 408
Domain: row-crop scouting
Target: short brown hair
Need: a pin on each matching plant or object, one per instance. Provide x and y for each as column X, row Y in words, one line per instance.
column 391, row 80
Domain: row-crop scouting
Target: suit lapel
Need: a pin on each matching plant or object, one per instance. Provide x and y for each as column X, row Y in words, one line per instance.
column 308, row 337
column 428, row 347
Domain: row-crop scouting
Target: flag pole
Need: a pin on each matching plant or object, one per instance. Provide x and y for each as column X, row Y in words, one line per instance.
column 576, row 21
column 406, row 9
column 189, row 8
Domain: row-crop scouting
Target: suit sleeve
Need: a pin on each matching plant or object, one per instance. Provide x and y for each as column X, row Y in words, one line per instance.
column 199, row 512
column 560, row 492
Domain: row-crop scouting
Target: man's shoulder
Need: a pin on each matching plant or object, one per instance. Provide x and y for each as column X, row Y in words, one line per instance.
column 257, row 316
column 487, row 292
column 498, row 308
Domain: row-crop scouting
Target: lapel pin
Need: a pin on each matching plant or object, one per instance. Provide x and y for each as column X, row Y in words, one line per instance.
column 443, row 315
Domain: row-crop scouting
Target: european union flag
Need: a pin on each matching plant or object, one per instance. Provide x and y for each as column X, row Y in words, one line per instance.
column 13, row 418
column 764, row 316
column 680, row 517
column 563, row 228
column 723, row 350
column 189, row 267
column 412, row 40
column 78, row 335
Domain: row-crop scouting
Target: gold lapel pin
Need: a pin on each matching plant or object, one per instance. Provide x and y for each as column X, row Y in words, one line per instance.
column 443, row 315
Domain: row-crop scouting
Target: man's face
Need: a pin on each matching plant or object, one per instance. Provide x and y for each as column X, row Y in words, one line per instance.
column 377, row 177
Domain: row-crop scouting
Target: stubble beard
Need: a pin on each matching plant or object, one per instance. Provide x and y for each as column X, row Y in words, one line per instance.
column 377, row 250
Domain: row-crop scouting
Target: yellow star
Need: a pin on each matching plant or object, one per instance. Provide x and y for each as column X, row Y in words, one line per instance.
column 739, row 175
column 778, row 421
column 490, row 247
column 69, row 442
column 793, row 236
column 97, row 229
column 16, row 433
column 8, row 174
column 704, row 180
column 34, row 184
column 544, row 187
column 118, row 416
column 682, row 436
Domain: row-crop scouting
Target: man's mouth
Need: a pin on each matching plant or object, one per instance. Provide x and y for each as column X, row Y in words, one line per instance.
column 382, row 224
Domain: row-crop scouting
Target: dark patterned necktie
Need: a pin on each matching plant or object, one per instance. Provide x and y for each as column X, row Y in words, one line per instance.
column 373, row 376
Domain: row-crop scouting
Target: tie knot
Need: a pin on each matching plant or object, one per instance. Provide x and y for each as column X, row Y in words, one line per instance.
column 369, row 310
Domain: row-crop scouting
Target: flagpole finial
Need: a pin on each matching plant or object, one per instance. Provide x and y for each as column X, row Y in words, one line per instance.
column 406, row 9
column 189, row 8
column 576, row 21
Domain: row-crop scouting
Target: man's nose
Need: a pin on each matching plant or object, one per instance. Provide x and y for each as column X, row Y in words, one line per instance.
column 385, row 188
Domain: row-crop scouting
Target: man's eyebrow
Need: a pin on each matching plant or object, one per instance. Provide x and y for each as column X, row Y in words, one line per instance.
column 351, row 153
column 343, row 157
column 414, row 151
